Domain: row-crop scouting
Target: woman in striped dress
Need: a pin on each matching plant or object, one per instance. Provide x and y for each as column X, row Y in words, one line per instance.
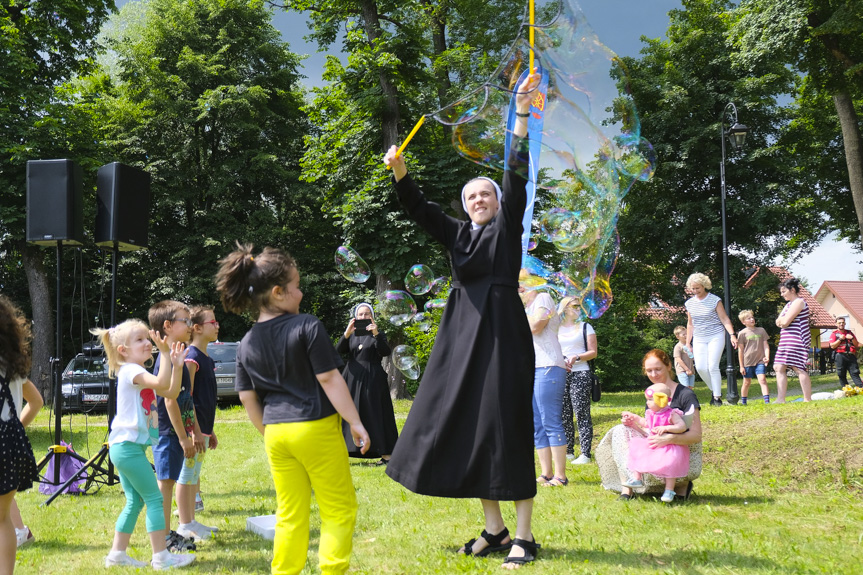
column 794, row 340
column 706, row 326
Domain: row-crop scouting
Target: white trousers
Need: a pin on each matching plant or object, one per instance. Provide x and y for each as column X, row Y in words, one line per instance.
column 707, row 354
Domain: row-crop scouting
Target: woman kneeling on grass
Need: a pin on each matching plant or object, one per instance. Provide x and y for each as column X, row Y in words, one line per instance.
column 289, row 382
column 613, row 451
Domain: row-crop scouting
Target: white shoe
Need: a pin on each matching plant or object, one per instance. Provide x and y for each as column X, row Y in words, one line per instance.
column 205, row 527
column 121, row 559
column 668, row 496
column 194, row 531
column 24, row 536
column 581, row 459
column 161, row 561
column 570, row 457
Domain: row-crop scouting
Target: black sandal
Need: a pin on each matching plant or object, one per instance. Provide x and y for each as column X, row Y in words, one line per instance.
column 495, row 543
column 531, row 548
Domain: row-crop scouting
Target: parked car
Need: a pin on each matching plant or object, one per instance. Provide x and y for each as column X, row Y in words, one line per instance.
column 85, row 382
column 224, row 354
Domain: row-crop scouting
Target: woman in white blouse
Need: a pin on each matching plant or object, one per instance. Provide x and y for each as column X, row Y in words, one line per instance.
column 706, row 326
column 578, row 344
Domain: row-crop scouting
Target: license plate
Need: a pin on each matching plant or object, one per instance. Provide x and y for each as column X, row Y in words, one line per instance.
column 224, row 380
column 100, row 397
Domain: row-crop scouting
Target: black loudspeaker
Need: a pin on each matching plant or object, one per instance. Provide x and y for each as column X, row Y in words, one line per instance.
column 54, row 208
column 123, row 206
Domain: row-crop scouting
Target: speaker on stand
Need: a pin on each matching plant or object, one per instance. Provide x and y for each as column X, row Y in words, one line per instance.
column 54, row 218
column 122, row 221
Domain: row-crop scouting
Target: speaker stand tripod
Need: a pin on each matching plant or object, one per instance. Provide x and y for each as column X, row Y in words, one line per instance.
column 58, row 451
column 95, row 466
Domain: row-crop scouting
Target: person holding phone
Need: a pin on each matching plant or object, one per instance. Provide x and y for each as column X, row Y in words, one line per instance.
column 366, row 346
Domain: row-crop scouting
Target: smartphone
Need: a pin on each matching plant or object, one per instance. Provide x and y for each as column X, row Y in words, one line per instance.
column 361, row 327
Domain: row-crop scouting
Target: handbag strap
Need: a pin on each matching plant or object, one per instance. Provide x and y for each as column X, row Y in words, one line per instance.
column 584, row 337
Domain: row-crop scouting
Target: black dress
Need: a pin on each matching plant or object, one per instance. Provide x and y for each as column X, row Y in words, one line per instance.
column 470, row 430
column 367, row 382
column 17, row 464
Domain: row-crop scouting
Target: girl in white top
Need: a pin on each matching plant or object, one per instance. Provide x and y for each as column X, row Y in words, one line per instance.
column 578, row 344
column 136, row 427
column 706, row 325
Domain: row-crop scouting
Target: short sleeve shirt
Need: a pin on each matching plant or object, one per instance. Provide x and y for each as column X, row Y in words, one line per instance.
column 137, row 419
column 184, row 402
column 545, row 345
column 204, row 391
column 573, row 342
column 16, row 386
column 705, row 318
column 683, row 357
column 685, row 400
column 280, row 360
column 752, row 343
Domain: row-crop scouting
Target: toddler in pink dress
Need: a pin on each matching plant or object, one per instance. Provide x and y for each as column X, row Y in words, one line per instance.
column 666, row 461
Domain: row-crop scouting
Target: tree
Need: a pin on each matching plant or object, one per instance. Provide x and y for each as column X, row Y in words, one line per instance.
column 823, row 41
column 42, row 45
column 681, row 87
column 204, row 96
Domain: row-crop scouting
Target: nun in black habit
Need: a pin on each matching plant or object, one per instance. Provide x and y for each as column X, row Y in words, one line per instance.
column 367, row 382
column 470, row 431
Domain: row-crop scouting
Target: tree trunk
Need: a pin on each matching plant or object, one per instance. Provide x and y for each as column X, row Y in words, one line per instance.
column 390, row 117
column 853, row 151
column 43, row 319
column 438, row 18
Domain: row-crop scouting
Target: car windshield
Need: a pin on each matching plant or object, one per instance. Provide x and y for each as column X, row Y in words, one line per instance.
column 86, row 365
column 222, row 353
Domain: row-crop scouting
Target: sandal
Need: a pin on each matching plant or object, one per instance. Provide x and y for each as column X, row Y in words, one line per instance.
column 556, row 482
column 495, row 543
column 543, row 479
column 531, row 548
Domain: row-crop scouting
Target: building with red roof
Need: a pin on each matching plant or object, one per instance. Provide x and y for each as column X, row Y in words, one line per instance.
column 843, row 299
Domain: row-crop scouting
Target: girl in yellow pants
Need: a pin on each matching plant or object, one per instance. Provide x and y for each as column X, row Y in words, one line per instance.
column 289, row 382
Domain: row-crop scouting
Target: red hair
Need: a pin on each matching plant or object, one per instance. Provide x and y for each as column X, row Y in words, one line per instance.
column 661, row 356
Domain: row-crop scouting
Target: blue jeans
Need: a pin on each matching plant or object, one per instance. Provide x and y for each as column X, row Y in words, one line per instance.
column 549, row 384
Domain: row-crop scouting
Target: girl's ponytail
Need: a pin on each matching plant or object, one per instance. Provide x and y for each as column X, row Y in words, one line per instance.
column 245, row 280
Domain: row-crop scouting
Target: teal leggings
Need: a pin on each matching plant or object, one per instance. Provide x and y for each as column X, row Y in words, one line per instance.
column 139, row 483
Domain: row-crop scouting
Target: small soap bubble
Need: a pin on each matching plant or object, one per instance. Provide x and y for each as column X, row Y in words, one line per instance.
column 406, row 360
column 532, row 243
column 437, row 303
column 419, row 279
column 396, row 306
column 440, row 287
column 350, row 265
column 423, row 321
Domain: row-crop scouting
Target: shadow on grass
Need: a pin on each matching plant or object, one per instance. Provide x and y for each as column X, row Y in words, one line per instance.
column 680, row 558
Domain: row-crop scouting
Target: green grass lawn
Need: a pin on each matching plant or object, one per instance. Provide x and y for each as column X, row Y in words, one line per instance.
column 780, row 493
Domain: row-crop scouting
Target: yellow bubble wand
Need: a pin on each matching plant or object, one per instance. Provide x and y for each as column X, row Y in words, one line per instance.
column 530, row 36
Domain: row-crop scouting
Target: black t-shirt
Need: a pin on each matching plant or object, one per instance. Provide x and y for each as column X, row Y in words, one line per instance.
column 184, row 402
column 204, row 390
column 279, row 359
column 683, row 399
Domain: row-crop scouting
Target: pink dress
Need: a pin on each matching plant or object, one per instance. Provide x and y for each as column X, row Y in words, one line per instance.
column 665, row 461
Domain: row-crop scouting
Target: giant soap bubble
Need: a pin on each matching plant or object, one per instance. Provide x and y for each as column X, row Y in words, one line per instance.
column 590, row 149
column 350, row 265
column 396, row 306
column 406, row 360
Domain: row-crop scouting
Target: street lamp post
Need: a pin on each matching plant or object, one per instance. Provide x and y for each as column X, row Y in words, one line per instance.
column 736, row 135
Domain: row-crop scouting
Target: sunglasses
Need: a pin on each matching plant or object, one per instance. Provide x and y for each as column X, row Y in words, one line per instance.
column 184, row 320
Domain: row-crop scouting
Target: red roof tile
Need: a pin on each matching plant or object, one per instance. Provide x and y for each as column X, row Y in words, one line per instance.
column 662, row 311
column 819, row 316
column 849, row 293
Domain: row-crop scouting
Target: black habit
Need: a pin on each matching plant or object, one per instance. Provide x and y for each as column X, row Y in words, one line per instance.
column 470, row 430
column 367, row 382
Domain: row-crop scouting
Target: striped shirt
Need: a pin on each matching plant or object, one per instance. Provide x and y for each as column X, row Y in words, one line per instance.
column 794, row 340
column 705, row 320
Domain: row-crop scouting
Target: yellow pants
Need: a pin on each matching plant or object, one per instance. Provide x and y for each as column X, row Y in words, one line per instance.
column 303, row 456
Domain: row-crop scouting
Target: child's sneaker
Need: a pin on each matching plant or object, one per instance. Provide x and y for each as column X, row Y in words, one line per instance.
column 206, row 527
column 194, row 532
column 668, row 496
column 176, row 543
column 199, row 504
column 164, row 560
column 633, row 483
column 121, row 559
column 570, row 457
column 24, row 536
column 581, row 460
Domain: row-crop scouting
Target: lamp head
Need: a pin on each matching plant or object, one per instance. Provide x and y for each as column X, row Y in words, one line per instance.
column 737, row 135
